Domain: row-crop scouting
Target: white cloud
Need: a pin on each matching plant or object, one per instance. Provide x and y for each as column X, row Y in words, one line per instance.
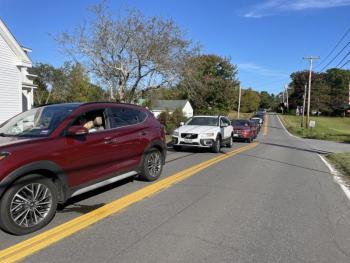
column 260, row 70
column 271, row 7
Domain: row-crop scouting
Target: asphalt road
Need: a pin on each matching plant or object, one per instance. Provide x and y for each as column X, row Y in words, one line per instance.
column 276, row 202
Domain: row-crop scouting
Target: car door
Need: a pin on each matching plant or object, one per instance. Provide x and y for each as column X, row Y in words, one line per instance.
column 225, row 127
column 90, row 157
column 128, row 130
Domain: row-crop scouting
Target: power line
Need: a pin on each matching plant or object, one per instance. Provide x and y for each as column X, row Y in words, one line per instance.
column 335, row 47
column 347, row 62
column 336, row 56
column 341, row 61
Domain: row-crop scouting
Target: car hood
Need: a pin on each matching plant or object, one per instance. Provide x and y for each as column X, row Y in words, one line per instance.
column 6, row 141
column 196, row 129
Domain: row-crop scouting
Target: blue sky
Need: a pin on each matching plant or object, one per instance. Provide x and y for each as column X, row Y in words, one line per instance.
column 266, row 39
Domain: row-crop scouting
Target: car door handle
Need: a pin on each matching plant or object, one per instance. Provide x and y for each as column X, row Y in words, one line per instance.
column 143, row 133
column 110, row 140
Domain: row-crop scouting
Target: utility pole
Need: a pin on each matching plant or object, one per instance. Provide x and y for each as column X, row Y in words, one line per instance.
column 304, row 102
column 286, row 89
column 311, row 59
column 239, row 101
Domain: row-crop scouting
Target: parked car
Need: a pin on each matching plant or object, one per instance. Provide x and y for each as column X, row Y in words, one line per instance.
column 205, row 132
column 257, row 122
column 255, row 128
column 243, row 130
column 258, row 119
column 51, row 153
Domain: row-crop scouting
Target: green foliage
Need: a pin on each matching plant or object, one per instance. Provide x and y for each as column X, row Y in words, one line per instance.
column 210, row 83
column 250, row 100
column 266, row 100
column 171, row 121
column 329, row 91
column 69, row 83
column 341, row 161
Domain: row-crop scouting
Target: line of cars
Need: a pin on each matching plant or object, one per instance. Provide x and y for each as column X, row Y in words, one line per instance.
column 52, row 153
column 214, row 132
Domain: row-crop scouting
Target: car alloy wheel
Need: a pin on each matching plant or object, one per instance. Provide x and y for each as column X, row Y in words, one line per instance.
column 154, row 164
column 31, row 205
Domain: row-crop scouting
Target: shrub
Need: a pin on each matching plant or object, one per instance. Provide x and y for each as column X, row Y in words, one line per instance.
column 171, row 121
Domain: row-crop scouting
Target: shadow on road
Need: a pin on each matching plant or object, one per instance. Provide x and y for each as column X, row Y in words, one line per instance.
column 80, row 209
column 285, row 163
column 74, row 201
column 297, row 148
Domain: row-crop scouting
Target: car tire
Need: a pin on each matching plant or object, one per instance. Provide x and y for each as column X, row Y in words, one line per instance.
column 216, row 145
column 152, row 165
column 33, row 196
column 230, row 143
column 177, row 148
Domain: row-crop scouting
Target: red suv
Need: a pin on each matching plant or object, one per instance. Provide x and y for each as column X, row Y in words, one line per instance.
column 51, row 153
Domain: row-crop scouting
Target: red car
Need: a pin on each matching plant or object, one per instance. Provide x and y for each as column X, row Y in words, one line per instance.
column 243, row 130
column 51, row 153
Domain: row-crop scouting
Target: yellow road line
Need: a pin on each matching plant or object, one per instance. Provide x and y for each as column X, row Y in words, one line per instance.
column 25, row 248
column 266, row 125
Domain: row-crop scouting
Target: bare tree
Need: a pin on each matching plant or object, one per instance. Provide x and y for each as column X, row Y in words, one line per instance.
column 130, row 52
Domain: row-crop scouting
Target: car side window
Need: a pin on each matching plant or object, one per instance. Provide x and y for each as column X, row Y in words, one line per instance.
column 120, row 116
column 93, row 120
column 227, row 122
column 224, row 121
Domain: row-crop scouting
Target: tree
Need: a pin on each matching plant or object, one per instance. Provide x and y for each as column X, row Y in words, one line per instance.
column 51, row 84
column 69, row 83
column 79, row 88
column 266, row 100
column 329, row 90
column 210, row 83
column 128, row 53
column 338, row 81
column 250, row 100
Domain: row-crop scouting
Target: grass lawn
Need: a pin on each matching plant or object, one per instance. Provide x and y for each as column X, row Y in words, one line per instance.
column 341, row 161
column 327, row 128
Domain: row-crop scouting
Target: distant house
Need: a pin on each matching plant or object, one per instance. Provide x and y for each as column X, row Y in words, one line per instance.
column 16, row 84
column 163, row 105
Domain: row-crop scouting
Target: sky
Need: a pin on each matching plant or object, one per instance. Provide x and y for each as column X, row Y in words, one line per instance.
column 266, row 39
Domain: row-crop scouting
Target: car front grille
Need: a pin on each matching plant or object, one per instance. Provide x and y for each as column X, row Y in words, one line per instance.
column 189, row 135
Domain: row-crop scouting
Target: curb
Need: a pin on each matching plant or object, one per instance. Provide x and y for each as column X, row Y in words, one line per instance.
column 336, row 176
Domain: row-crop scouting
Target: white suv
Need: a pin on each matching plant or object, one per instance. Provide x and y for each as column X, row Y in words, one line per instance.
column 204, row 131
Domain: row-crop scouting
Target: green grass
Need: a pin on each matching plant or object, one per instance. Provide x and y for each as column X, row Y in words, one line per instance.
column 341, row 161
column 327, row 128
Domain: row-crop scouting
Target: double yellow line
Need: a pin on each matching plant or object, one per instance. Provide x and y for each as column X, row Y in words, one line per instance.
column 266, row 125
column 45, row 239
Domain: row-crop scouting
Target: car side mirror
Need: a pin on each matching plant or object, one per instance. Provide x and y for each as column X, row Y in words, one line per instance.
column 77, row 131
column 182, row 123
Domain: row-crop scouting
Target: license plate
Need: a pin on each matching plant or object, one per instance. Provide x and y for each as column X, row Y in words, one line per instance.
column 235, row 135
column 188, row 140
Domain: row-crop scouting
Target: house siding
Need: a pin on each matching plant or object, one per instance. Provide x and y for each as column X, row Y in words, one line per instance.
column 10, row 83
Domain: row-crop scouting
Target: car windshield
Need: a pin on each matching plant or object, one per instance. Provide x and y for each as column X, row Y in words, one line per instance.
column 240, row 123
column 38, row 122
column 203, row 121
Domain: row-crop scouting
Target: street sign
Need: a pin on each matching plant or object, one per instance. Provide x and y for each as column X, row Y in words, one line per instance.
column 312, row 124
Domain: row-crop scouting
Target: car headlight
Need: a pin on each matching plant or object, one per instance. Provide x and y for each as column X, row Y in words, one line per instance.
column 209, row 134
column 176, row 133
column 3, row 155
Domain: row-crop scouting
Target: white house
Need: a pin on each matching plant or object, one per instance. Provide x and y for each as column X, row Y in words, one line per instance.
column 16, row 84
column 171, row 105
